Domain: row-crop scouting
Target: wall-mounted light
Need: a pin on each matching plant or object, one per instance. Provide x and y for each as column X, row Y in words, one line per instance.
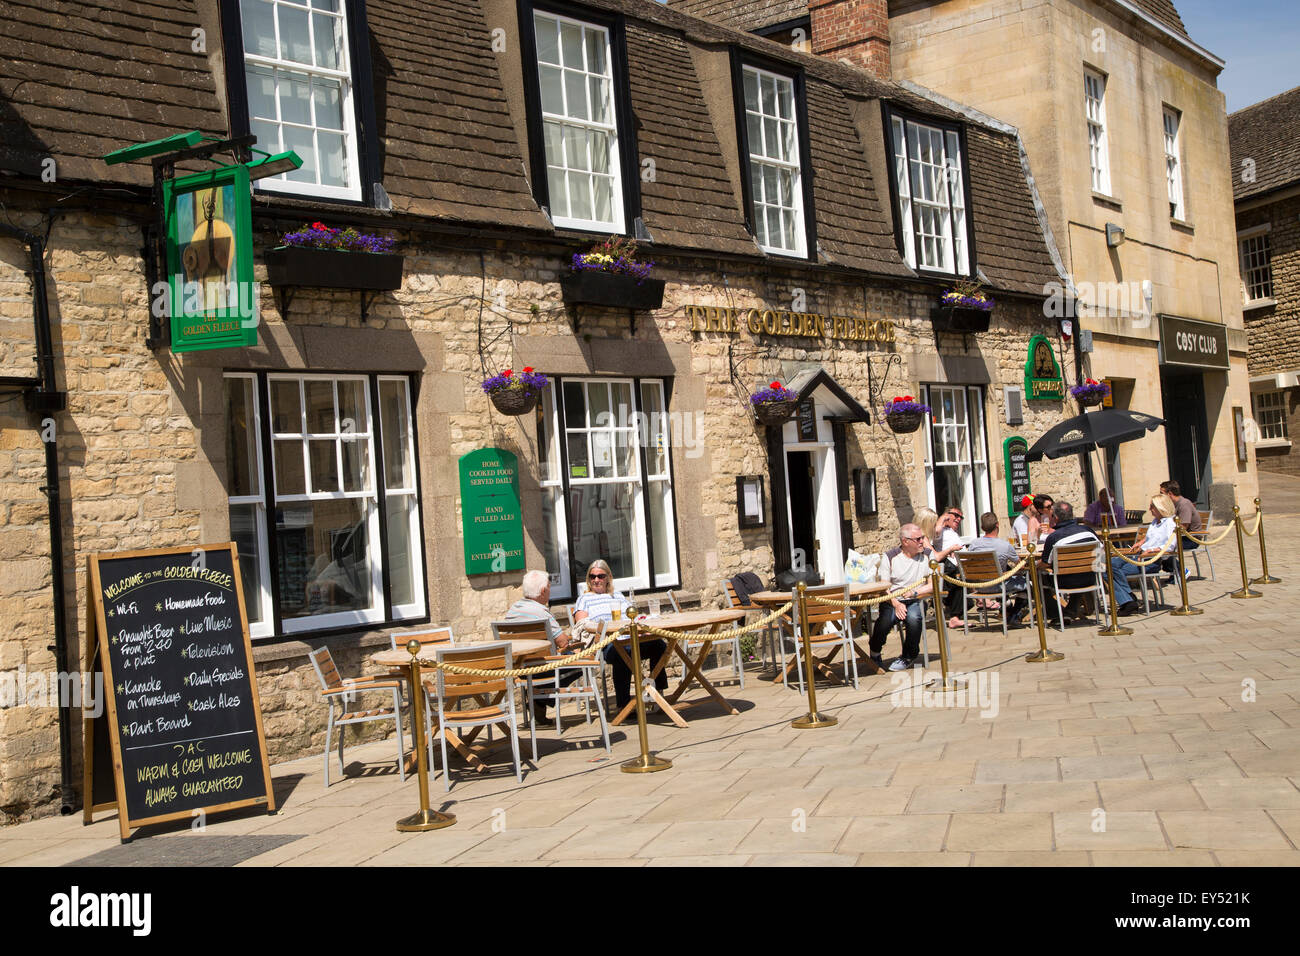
column 285, row 162
column 1114, row 235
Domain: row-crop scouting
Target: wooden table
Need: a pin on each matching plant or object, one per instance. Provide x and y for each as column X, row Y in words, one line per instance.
column 857, row 591
column 521, row 650
column 681, row 622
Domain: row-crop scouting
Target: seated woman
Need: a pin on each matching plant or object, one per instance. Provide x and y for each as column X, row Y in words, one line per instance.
column 942, row 539
column 1159, row 535
column 598, row 604
column 1034, row 521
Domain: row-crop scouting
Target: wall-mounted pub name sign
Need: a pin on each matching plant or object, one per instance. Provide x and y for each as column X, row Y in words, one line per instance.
column 1042, row 371
column 808, row 325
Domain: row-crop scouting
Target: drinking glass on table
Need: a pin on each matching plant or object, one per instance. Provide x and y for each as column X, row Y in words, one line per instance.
column 655, row 605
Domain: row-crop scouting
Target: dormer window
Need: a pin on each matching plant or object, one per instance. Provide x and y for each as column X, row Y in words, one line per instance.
column 930, row 184
column 775, row 162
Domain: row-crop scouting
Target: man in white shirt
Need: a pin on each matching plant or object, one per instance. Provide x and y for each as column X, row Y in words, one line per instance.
column 904, row 565
column 533, row 607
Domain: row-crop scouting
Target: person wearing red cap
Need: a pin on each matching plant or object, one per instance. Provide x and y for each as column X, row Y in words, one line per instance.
column 1029, row 521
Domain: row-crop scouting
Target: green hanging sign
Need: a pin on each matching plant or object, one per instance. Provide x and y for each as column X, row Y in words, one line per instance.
column 491, row 521
column 1042, row 371
column 210, row 291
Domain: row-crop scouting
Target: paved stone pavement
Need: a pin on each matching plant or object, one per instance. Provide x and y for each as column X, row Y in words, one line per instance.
column 1177, row 745
column 1278, row 493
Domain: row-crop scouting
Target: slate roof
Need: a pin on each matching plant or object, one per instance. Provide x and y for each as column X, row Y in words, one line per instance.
column 746, row 15
column 1268, row 133
column 1165, row 12
column 450, row 146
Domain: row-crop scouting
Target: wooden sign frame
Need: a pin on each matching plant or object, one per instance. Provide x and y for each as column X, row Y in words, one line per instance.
column 96, row 637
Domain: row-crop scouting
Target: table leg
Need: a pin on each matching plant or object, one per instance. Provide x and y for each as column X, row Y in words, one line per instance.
column 694, row 675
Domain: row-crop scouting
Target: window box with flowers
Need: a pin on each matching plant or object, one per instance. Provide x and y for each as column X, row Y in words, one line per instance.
column 321, row 257
column 964, row 308
column 1091, row 392
column 515, row 394
column 610, row 275
column 774, row 404
column 903, row 414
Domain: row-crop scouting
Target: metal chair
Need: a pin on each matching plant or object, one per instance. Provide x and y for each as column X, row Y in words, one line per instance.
column 1195, row 554
column 737, row 661
column 1078, row 559
column 819, row 615
column 978, row 567
column 454, row 687
column 1148, row 576
column 770, row 633
column 546, row 687
column 340, row 692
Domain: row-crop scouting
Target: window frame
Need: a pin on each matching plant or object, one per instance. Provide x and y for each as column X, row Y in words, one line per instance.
column 274, row 626
column 360, row 121
column 905, row 234
column 628, row 165
column 1255, row 234
column 740, row 61
column 1259, row 407
column 977, row 452
column 1101, row 173
column 1174, row 152
column 552, row 405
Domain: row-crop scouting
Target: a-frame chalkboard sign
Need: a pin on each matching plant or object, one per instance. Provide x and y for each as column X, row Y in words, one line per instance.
column 183, row 720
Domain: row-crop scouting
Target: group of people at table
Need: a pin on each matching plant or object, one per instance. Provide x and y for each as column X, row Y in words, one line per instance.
column 1043, row 522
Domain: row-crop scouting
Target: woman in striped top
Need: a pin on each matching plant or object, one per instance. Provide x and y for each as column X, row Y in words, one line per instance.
column 598, row 604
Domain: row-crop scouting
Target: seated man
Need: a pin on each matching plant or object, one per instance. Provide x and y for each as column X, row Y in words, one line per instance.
column 1106, row 506
column 1007, row 556
column 1067, row 531
column 1159, row 534
column 1187, row 515
column 533, row 607
column 904, row 565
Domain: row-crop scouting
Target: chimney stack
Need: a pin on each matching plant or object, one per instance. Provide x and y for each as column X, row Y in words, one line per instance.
column 852, row 30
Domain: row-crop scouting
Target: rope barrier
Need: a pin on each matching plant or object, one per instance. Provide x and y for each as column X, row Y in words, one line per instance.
column 867, row 602
column 1159, row 555
column 1011, row 572
column 586, row 652
column 1204, row 541
column 735, row 632
column 1259, row 516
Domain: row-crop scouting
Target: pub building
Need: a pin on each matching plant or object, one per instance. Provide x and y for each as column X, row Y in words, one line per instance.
column 804, row 215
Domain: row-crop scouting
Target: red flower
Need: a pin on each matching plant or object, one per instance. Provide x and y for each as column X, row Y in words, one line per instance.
column 320, row 227
column 527, row 369
column 775, row 385
column 907, row 398
column 508, row 372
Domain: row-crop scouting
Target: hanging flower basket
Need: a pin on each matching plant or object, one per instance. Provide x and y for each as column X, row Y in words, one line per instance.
column 515, row 395
column 774, row 405
column 1091, row 392
column 904, row 414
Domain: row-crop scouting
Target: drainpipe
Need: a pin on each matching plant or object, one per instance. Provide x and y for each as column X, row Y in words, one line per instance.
column 44, row 400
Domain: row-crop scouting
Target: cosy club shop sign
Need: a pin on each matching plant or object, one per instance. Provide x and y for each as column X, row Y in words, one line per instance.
column 491, row 521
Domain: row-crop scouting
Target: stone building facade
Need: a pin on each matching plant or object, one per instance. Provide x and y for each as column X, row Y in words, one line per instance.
column 1266, row 190
column 157, row 448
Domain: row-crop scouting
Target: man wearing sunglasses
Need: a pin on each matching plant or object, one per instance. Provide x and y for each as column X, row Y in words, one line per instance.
column 904, row 565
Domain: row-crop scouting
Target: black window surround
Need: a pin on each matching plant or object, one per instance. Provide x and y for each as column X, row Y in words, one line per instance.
column 739, row 60
column 890, row 113
column 363, row 96
column 629, row 162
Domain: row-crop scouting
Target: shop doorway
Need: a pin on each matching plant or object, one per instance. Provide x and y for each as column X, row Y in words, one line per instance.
column 801, row 478
column 1187, row 434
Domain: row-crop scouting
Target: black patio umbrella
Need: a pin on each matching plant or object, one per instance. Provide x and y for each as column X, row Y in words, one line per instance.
column 1092, row 430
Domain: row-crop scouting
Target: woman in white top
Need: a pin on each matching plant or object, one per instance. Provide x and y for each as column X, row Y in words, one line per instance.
column 598, row 604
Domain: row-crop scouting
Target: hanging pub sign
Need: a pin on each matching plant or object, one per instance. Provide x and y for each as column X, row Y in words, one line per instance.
column 491, row 521
column 1042, row 371
column 211, row 296
column 1014, row 450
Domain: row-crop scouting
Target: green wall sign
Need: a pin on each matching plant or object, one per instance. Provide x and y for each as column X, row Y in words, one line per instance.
column 491, row 522
column 1042, row 371
column 210, row 294
column 1016, row 470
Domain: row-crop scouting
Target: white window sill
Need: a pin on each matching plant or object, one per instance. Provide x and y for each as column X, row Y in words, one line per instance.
column 1259, row 304
column 1266, row 443
column 1111, row 201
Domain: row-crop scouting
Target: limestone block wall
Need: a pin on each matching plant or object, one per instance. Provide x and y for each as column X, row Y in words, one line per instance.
column 143, row 443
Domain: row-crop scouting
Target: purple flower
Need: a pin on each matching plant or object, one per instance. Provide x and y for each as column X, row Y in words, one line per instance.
column 320, row 236
column 769, row 394
column 905, row 407
column 530, row 381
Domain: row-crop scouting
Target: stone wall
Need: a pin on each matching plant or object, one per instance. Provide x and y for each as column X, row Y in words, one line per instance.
column 143, row 450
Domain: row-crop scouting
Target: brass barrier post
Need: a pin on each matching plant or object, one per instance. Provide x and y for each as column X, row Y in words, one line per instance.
column 1186, row 610
column 647, row 762
column 1115, row 629
column 811, row 719
column 1265, row 578
column 946, row 683
column 1245, row 591
column 1044, row 656
column 424, row 818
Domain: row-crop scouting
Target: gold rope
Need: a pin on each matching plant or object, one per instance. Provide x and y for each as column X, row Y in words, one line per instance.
column 867, row 602
column 1162, row 553
column 720, row 635
column 1203, row 541
column 994, row 582
column 609, row 638
column 1259, row 516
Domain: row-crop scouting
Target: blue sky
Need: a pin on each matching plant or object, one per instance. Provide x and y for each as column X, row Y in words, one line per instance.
column 1259, row 39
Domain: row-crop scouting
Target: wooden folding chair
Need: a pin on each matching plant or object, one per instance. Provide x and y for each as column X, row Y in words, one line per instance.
column 977, row 568
column 819, row 615
column 1078, row 559
column 500, row 692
